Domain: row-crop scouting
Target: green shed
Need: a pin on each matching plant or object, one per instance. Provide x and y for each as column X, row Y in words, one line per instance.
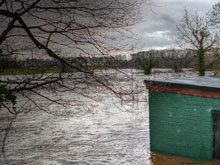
column 184, row 117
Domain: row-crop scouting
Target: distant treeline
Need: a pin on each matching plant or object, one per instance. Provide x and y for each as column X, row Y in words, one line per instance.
column 162, row 59
column 167, row 58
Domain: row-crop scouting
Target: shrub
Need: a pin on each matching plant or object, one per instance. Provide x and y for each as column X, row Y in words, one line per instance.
column 177, row 68
column 147, row 65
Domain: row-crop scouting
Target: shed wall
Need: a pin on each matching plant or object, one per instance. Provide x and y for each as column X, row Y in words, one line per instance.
column 181, row 124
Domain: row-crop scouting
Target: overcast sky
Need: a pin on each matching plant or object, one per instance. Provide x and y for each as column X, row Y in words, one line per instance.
column 159, row 27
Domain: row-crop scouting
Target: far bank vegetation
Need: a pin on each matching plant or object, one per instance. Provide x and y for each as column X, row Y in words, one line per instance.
column 174, row 59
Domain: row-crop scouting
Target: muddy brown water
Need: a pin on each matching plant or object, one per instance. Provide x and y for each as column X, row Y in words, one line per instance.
column 106, row 136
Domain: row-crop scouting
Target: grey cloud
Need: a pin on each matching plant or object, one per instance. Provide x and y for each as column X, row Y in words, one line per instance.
column 157, row 23
column 157, row 41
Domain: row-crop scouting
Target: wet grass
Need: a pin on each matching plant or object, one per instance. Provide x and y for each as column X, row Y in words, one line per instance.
column 26, row 71
column 45, row 70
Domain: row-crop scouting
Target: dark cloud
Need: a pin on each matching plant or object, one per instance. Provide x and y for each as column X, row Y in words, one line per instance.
column 160, row 23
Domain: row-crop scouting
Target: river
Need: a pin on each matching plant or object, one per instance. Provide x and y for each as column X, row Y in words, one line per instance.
column 105, row 135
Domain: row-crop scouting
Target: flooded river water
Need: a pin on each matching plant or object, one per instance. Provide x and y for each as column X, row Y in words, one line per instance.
column 105, row 136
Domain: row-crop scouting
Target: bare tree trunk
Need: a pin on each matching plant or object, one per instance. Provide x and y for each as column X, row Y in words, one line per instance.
column 201, row 63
